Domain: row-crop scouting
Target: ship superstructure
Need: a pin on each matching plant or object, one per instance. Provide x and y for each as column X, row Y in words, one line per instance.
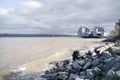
column 95, row 32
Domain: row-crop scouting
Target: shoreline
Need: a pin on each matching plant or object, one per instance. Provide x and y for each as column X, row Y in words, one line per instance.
column 33, row 65
column 87, row 66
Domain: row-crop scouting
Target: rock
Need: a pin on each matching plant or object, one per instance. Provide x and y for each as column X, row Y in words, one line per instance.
column 109, row 65
column 47, row 72
column 118, row 73
column 81, row 62
column 65, row 63
column 88, row 60
column 117, row 58
column 62, row 75
column 83, row 77
column 88, row 56
column 39, row 78
column 59, row 64
column 74, row 71
column 89, row 53
column 108, row 60
column 82, row 73
column 50, row 76
column 102, row 58
column 90, row 74
column 110, row 72
column 97, row 71
column 88, row 64
column 69, row 66
column 77, row 78
column 75, row 55
column 95, row 62
column 94, row 57
column 100, row 65
column 76, row 65
column 97, row 51
column 117, row 66
column 106, row 54
column 88, row 79
column 61, row 69
column 74, row 77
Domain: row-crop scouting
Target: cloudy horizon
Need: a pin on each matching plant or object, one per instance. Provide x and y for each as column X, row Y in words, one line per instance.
column 56, row 16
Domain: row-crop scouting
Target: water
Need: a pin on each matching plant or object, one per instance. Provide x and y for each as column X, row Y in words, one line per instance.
column 19, row 51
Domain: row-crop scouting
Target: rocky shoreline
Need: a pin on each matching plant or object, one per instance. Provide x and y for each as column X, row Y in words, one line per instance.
column 91, row 66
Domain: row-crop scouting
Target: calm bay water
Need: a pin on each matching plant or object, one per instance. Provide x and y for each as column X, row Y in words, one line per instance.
column 18, row 51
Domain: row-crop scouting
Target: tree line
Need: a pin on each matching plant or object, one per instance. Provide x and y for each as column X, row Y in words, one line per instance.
column 115, row 34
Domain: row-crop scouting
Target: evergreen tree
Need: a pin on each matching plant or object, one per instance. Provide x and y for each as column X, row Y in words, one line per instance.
column 117, row 28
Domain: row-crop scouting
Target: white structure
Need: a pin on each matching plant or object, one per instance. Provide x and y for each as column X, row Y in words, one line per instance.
column 98, row 31
column 86, row 32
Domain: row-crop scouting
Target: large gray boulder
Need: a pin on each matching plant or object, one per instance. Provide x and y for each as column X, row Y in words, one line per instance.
column 74, row 77
column 81, row 62
column 117, row 58
column 88, row 64
column 76, row 65
column 90, row 74
column 111, row 72
column 106, row 54
column 95, row 62
column 97, row 71
column 118, row 73
column 62, row 75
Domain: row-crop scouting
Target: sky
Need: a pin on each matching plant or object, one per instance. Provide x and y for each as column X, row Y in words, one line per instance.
column 56, row 16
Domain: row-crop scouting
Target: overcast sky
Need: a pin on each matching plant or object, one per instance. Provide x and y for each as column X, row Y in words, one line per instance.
column 56, row 16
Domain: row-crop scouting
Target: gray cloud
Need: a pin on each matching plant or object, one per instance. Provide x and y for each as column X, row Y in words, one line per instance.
column 57, row 16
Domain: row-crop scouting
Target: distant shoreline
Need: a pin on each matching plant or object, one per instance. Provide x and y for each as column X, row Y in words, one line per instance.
column 36, row 35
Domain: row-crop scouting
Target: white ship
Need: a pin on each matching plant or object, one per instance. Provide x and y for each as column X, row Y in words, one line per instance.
column 96, row 32
column 84, row 31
